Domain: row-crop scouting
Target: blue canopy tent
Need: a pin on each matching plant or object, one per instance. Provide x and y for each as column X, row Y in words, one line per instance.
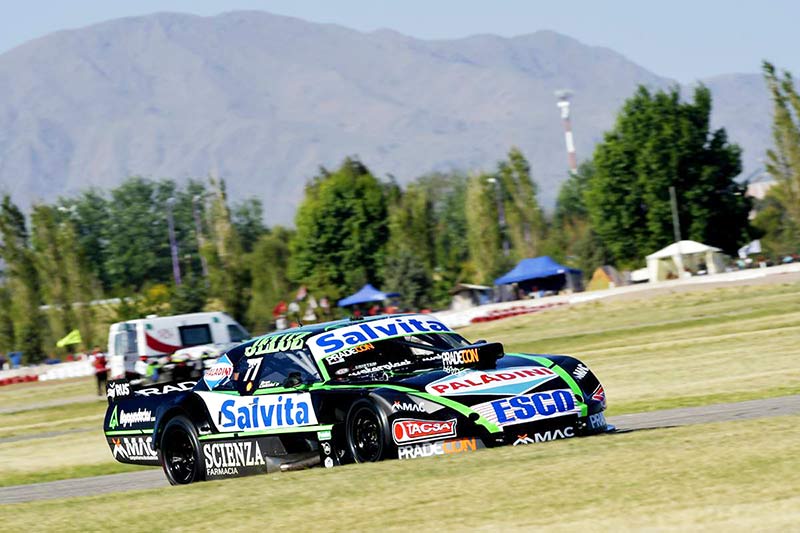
column 542, row 273
column 366, row 294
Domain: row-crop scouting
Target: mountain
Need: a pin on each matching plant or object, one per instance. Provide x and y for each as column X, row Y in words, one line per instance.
column 264, row 100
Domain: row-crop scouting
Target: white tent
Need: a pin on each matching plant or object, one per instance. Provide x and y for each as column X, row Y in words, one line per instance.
column 682, row 259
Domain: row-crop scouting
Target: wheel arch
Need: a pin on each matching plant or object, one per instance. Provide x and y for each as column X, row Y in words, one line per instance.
column 191, row 407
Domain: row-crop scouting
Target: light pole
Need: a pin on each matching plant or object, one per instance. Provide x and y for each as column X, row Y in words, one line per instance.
column 501, row 213
column 173, row 244
column 199, row 233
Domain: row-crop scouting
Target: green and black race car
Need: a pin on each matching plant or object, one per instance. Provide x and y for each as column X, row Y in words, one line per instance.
column 397, row 386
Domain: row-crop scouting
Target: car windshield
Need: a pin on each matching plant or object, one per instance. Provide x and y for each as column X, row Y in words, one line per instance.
column 392, row 357
column 289, row 368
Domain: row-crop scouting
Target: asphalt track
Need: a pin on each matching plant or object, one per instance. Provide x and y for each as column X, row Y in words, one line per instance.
column 154, row 478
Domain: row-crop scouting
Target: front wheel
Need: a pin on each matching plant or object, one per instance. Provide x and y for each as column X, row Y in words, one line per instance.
column 179, row 452
column 366, row 433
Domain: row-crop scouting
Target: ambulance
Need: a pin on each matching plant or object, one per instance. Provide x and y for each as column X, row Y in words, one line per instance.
column 135, row 344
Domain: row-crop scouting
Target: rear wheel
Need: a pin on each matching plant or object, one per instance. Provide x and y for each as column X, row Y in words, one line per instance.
column 179, row 452
column 366, row 433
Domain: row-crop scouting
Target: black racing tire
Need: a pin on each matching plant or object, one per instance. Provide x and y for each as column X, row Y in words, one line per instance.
column 367, row 433
column 179, row 452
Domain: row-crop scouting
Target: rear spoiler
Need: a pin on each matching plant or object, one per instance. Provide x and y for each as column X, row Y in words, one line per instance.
column 479, row 356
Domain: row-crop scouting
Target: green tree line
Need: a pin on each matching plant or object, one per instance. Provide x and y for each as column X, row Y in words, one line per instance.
column 353, row 227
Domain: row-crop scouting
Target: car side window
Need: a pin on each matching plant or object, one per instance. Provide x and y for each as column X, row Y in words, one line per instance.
column 286, row 369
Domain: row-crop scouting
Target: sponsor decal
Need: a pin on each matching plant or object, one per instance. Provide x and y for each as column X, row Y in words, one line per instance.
column 235, row 414
column 324, row 435
column 580, row 371
column 408, row 406
column 130, row 418
column 442, row 447
column 266, row 384
column 339, row 357
column 386, row 328
column 410, row 430
column 564, row 433
column 453, row 360
column 219, row 373
column 597, row 421
column 252, row 369
column 166, row 389
column 118, row 389
column 134, row 449
column 529, row 407
column 599, row 395
column 523, row 439
column 505, row 381
column 226, row 458
column 276, row 343
column 373, row 368
column 326, row 448
column 328, row 462
column 113, row 423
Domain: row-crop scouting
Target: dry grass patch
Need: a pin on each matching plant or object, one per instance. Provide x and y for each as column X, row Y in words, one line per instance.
column 681, row 349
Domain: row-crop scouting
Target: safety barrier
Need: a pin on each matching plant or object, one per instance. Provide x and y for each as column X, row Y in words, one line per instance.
column 74, row 369
column 498, row 314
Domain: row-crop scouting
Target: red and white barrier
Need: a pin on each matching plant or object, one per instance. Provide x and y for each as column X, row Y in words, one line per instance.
column 74, row 369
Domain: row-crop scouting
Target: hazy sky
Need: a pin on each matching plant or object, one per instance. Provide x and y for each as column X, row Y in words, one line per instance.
column 681, row 39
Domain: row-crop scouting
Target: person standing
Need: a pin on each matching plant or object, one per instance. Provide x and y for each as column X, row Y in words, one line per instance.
column 100, row 370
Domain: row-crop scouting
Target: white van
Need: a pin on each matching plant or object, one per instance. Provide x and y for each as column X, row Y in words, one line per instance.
column 142, row 340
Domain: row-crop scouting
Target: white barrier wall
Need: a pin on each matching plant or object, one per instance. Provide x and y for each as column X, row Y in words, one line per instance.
column 74, row 369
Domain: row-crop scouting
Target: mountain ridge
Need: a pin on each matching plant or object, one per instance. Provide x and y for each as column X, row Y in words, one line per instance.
column 264, row 100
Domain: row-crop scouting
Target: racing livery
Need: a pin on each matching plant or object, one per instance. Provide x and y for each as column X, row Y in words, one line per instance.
column 358, row 390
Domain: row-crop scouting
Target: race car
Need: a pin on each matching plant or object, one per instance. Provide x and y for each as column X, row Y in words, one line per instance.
column 356, row 390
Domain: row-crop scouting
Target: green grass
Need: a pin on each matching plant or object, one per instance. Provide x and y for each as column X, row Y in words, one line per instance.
column 53, row 418
column 22, row 395
column 675, row 350
column 58, row 457
column 67, row 472
column 727, row 476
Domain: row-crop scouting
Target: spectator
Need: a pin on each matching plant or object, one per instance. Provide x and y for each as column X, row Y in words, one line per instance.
column 100, row 370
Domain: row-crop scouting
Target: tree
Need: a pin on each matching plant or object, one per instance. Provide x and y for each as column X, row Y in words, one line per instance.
column 406, row 274
column 571, row 238
column 782, row 221
column 90, row 216
column 342, row 231
column 411, row 250
column 227, row 272
column 524, row 217
column 483, row 231
column 135, row 239
column 7, row 340
column 267, row 264
column 137, row 248
column 248, row 219
column 23, row 280
column 451, row 253
column 190, row 296
column 659, row 142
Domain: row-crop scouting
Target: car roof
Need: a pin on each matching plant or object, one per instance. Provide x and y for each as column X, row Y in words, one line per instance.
column 333, row 324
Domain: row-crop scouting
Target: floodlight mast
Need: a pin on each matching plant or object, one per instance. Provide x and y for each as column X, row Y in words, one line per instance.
column 563, row 96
